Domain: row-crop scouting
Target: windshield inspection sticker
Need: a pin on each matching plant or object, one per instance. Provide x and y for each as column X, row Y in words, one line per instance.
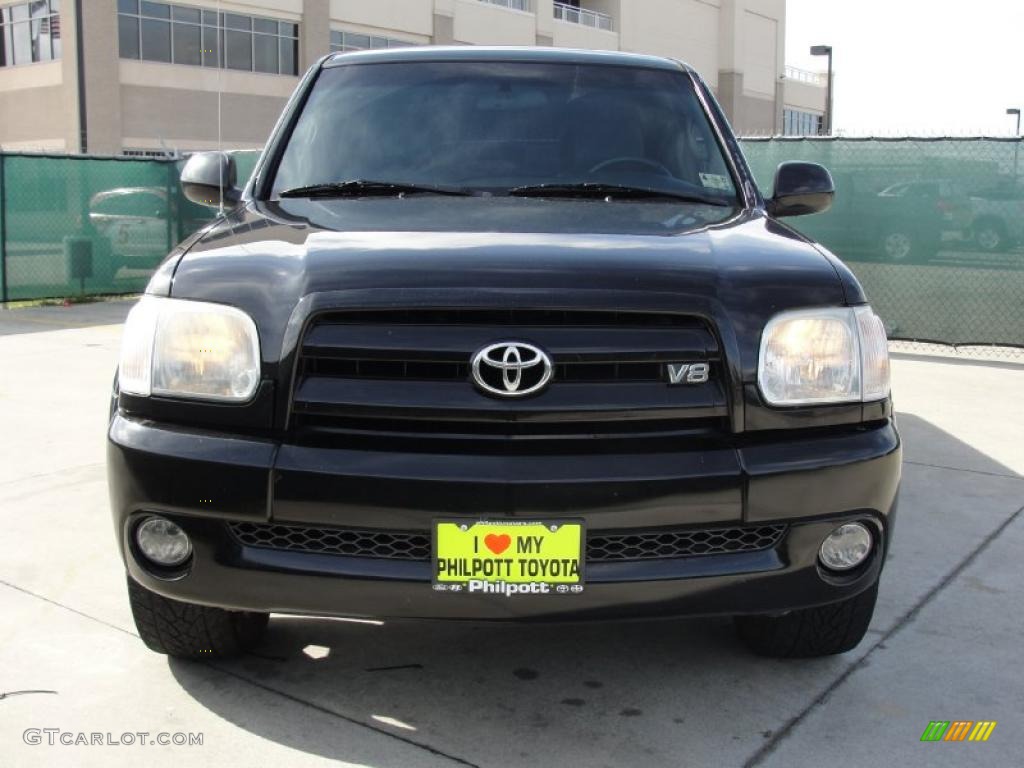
column 508, row 557
column 715, row 181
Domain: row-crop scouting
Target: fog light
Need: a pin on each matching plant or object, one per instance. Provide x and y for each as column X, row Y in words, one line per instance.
column 163, row 542
column 846, row 547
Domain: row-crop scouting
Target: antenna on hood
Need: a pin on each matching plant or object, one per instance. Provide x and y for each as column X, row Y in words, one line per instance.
column 221, row 53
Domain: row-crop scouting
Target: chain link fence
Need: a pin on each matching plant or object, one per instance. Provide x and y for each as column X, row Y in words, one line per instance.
column 933, row 228
column 76, row 225
column 81, row 225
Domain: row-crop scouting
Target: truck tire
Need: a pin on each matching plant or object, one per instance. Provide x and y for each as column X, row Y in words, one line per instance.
column 990, row 235
column 821, row 631
column 907, row 246
column 899, row 245
column 189, row 631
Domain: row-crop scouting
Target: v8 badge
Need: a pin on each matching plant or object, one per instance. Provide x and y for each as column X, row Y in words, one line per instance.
column 687, row 373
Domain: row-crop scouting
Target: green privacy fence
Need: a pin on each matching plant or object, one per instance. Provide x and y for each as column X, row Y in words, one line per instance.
column 68, row 221
column 933, row 228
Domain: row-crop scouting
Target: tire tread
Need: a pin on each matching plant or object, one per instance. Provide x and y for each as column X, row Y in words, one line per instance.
column 820, row 631
column 190, row 631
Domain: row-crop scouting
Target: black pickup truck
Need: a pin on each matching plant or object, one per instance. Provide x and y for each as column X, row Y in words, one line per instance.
column 503, row 334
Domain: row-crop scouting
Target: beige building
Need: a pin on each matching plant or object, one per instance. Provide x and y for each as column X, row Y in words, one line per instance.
column 114, row 76
column 803, row 109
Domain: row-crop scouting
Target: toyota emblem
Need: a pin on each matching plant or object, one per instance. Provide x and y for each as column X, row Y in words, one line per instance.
column 512, row 369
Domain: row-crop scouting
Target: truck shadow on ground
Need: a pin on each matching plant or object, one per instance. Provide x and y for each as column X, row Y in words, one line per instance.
column 581, row 692
column 587, row 694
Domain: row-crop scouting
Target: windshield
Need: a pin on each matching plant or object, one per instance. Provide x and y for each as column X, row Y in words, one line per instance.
column 497, row 127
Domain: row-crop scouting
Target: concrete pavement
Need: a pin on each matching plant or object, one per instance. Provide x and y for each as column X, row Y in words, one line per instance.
column 943, row 646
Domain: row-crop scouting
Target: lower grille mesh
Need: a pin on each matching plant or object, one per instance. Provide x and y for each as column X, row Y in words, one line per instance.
column 650, row 545
column 396, row 545
column 601, row 547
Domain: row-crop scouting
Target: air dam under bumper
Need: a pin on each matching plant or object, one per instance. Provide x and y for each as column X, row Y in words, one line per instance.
column 204, row 480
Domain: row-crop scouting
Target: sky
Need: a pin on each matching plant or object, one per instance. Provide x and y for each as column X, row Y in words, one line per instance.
column 931, row 68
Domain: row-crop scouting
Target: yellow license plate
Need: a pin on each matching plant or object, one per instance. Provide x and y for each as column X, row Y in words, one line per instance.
column 508, row 557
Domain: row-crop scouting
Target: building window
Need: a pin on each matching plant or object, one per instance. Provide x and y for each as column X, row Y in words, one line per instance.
column 796, row 122
column 180, row 34
column 355, row 41
column 30, row 32
column 151, row 153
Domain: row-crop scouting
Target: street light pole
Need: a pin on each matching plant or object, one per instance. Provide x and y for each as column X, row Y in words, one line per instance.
column 826, row 50
column 1016, row 144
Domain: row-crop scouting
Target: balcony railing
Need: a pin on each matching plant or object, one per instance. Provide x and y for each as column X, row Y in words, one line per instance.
column 515, row 5
column 804, row 76
column 582, row 16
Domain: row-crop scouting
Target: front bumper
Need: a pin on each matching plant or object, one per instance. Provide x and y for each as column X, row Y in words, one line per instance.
column 811, row 481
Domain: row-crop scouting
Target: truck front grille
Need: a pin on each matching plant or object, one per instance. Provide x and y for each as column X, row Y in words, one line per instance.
column 364, row 378
column 602, row 547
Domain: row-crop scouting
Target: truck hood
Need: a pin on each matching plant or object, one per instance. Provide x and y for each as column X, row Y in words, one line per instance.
column 736, row 268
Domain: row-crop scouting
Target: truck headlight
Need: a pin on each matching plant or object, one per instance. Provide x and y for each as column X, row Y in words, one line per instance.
column 832, row 355
column 189, row 349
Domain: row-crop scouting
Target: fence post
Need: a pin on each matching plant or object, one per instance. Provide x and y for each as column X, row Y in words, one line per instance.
column 3, row 234
column 171, row 207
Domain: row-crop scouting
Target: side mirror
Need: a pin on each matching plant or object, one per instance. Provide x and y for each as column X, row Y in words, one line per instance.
column 801, row 188
column 210, row 176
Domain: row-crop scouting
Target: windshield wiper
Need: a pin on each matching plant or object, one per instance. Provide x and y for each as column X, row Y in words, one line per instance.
column 366, row 188
column 596, row 190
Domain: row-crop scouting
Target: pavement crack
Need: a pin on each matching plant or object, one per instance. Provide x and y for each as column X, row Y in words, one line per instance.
column 791, row 725
column 59, row 604
column 964, row 469
column 341, row 716
column 8, row 694
column 394, row 668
